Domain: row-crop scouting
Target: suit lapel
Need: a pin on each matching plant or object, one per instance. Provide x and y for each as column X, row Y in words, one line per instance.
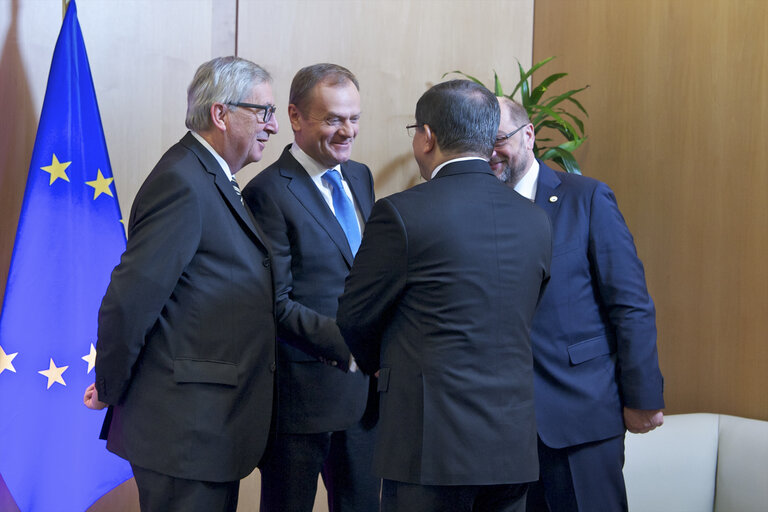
column 548, row 191
column 223, row 184
column 306, row 193
column 359, row 193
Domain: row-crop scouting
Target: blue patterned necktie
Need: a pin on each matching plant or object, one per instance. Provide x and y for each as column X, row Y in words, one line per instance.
column 345, row 210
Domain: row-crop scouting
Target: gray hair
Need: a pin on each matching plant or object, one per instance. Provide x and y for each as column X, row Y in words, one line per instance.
column 221, row 80
column 463, row 115
column 308, row 77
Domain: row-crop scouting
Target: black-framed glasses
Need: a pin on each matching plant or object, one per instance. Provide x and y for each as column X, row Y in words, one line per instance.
column 268, row 109
column 501, row 139
column 411, row 129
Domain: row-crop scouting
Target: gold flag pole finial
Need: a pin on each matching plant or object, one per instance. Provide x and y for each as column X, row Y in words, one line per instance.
column 64, row 5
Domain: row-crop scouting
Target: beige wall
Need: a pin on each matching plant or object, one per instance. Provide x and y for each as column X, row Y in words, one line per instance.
column 678, row 121
column 397, row 49
column 143, row 54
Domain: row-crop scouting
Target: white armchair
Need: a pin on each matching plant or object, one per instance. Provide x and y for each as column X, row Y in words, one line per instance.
column 699, row 463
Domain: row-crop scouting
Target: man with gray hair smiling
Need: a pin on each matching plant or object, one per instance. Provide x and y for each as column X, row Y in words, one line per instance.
column 185, row 353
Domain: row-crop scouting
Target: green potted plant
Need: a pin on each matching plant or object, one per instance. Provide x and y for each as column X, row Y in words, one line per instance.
column 549, row 113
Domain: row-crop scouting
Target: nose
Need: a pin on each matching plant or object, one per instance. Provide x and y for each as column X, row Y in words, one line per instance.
column 272, row 126
column 347, row 129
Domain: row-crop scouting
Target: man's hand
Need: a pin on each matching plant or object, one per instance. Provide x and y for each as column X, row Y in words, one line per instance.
column 640, row 421
column 91, row 399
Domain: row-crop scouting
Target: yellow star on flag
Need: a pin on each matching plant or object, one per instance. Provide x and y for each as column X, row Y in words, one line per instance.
column 54, row 374
column 56, row 169
column 5, row 361
column 100, row 185
column 90, row 358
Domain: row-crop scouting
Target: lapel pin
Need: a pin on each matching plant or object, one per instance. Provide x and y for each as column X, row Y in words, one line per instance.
column 552, row 199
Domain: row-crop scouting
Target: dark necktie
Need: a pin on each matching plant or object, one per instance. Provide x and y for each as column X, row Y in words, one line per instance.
column 345, row 210
column 237, row 189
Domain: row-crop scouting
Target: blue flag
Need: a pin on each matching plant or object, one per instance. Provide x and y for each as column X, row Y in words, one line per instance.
column 69, row 238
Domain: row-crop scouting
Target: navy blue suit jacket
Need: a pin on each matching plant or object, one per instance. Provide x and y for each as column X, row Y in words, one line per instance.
column 310, row 260
column 594, row 333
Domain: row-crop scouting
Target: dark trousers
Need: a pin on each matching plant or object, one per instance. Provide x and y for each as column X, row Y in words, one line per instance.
column 163, row 493
column 292, row 462
column 584, row 478
column 404, row 497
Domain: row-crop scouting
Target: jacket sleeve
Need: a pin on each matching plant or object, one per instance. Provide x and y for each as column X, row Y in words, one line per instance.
column 374, row 284
column 624, row 297
column 298, row 325
column 164, row 232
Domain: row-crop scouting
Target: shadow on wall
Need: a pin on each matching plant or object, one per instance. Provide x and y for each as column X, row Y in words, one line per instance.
column 389, row 178
column 17, row 138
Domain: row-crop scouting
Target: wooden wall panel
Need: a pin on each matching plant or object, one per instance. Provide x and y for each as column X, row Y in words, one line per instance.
column 678, row 118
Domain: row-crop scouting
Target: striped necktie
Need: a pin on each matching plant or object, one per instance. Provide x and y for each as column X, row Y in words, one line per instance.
column 233, row 181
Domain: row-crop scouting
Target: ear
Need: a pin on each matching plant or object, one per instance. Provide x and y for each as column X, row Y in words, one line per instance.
column 294, row 116
column 430, row 141
column 219, row 113
column 530, row 137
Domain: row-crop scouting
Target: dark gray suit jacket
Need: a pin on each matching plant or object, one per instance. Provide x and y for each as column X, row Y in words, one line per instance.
column 441, row 298
column 186, row 351
column 311, row 259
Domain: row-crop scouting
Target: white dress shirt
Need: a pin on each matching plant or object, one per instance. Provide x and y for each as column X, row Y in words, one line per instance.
column 526, row 187
column 316, row 171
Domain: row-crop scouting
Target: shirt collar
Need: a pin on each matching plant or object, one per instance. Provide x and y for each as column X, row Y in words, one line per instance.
column 314, row 168
column 437, row 169
column 526, row 187
column 218, row 158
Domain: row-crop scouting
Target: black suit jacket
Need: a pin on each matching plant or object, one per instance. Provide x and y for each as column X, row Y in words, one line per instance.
column 186, row 351
column 441, row 298
column 311, row 259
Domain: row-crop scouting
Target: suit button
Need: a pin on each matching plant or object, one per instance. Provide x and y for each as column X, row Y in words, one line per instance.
column 265, row 262
column 272, row 367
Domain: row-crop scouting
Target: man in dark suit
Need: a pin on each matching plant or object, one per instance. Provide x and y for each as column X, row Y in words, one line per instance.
column 312, row 204
column 594, row 333
column 439, row 302
column 186, row 351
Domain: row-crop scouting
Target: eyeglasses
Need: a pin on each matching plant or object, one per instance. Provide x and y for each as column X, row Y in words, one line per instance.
column 411, row 129
column 268, row 109
column 501, row 139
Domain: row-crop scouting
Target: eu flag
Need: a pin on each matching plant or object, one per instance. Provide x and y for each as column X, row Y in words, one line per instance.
column 69, row 238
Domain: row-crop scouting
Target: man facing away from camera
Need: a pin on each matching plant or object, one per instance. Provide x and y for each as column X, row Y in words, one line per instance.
column 439, row 302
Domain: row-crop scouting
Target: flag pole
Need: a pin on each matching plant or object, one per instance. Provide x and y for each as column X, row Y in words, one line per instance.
column 64, row 5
